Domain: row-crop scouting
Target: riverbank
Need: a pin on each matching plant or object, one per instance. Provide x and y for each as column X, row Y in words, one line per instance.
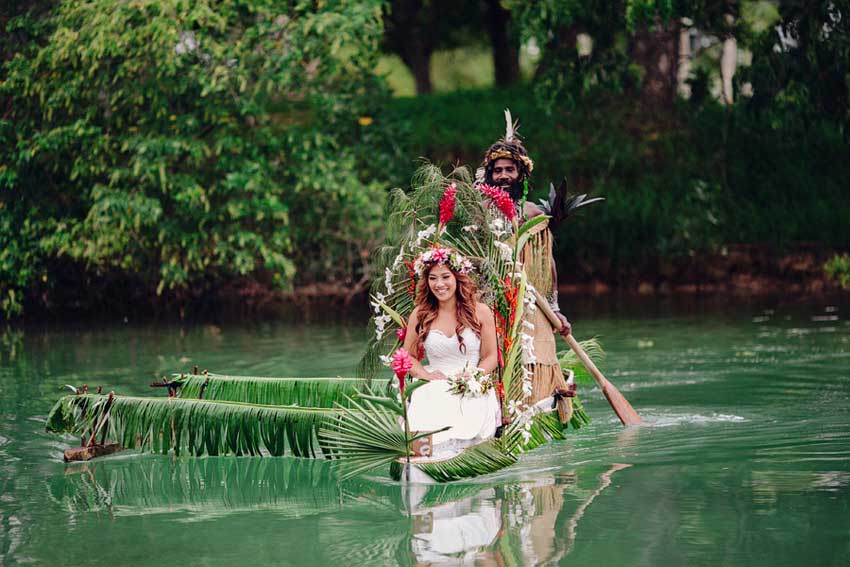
column 742, row 271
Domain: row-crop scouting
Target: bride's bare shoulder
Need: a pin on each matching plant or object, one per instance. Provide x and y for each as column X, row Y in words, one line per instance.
column 483, row 310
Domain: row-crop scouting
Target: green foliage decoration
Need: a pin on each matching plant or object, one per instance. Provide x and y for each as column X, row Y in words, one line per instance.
column 483, row 458
column 174, row 144
column 303, row 392
column 198, row 427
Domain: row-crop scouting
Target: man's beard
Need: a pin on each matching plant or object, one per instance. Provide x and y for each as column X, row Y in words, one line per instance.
column 513, row 188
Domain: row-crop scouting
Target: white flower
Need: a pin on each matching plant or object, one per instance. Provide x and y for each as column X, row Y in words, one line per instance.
column 514, row 407
column 527, row 388
column 497, row 227
column 388, row 277
column 381, row 322
column 505, row 250
column 376, row 305
column 528, row 325
column 474, row 387
column 471, row 228
column 386, row 361
column 425, row 234
column 526, row 435
column 398, row 259
column 186, row 44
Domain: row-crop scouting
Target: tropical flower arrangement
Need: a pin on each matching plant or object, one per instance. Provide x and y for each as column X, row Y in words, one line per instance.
column 471, row 382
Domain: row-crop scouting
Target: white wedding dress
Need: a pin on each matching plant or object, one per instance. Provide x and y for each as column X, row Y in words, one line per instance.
column 473, row 419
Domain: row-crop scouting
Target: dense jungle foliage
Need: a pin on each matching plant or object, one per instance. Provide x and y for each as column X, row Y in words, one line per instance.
column 159, row 153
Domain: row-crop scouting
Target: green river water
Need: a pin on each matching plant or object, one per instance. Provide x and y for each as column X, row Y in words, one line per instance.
column 745, row 458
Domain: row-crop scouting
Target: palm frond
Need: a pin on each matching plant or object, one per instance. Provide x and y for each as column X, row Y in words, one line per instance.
column 199, row 427
column 570, row 361
column 544, row 428
column 304, row 392
column 362, row 437
column 484, row 458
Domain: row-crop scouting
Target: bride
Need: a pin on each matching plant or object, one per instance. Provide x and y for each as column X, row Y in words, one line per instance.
column 456, row 334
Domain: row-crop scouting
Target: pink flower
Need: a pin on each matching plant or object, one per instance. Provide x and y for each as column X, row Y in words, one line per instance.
column 447, row 204
column 401, row 334
column 439, row 256
column 402, row 363
column 501, row 199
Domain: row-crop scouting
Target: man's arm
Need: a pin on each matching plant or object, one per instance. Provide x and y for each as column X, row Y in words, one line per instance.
column 566, row 327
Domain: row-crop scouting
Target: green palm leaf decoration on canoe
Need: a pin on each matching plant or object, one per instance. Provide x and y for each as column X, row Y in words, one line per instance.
column 484, row 458
column 364, row 437
column 304, row 392
column 198, row 427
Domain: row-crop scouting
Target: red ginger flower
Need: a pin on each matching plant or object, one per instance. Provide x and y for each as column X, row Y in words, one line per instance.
column 402, row 363
column 401, row 334
column 501, row 199
column 447, row 204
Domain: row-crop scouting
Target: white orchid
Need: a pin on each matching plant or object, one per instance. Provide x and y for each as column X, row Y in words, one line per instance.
column 425, row 234
column 514, row 407
column 504, row 250
column 388, row 277
column 497, row 227
column 398, row 259
column 380, row 323
column 471, row 228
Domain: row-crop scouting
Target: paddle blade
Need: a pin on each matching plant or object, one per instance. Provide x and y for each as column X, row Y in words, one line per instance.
column 621, row 406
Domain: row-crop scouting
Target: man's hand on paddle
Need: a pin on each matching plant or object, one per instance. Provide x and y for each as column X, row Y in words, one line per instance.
column 566, row 327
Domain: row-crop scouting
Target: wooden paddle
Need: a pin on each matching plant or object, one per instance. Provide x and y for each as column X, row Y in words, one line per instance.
column 619, row 403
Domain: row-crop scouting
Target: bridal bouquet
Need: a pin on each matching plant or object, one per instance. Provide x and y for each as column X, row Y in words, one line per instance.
column 472, row 382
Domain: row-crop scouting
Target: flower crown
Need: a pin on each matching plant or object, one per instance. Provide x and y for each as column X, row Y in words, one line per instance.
column 440, row 255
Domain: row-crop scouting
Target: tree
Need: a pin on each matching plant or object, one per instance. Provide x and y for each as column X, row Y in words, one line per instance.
column 803, row 64
column 504, row 43
column 167, row 145
column 415, row 29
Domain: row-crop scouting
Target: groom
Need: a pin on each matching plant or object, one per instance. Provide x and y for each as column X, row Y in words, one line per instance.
column 507, row 165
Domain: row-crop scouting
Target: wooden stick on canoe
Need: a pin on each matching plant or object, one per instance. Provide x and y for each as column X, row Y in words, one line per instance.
column 619, row 403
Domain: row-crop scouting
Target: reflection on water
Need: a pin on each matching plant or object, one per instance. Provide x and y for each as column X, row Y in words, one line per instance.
column 529, row 521
column 745, row 459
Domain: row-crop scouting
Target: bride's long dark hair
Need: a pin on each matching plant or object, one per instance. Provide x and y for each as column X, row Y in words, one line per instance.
column 427, row 306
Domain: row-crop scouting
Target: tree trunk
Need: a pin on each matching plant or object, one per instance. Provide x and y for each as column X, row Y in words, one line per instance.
column 684, row 71
column 418, row 60
column 505, row 47
column 728, row 62
column 656, row 49
column 411, row 23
